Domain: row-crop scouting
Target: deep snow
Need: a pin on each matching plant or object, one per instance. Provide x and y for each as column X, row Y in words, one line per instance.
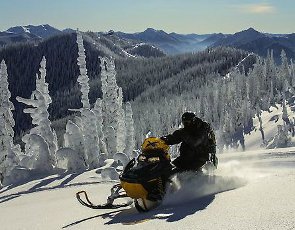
column 250, row 190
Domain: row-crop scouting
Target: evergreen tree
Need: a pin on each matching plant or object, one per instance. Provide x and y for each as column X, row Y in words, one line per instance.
column 284, row 72
column 39, row 102
column 292, row 72
column 113, row 114
column 87, row 119
column 6, row 122
column 83, row 78
column 97, row 109
column 73, row 139
column 130, row 140
column 121, row 132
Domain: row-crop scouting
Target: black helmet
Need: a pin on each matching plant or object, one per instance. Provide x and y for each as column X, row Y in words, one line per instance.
column 190, row 119
column 188, row 116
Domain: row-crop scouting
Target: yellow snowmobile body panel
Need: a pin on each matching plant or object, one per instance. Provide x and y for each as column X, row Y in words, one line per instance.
column 134, row 190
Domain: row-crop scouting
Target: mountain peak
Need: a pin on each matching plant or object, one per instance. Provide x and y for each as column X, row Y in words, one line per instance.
column 150, row 30
column 251, row 29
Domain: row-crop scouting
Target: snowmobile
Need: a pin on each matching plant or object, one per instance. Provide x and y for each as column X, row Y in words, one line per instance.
column 143, row 179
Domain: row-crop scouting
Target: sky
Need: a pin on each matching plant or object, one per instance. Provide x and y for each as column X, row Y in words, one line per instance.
column 181, row 16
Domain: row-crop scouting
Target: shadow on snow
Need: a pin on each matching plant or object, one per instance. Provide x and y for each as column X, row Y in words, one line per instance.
column 193, row 195
column 41, row 185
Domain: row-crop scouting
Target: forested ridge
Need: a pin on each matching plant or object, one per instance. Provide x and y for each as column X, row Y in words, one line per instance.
column 138, row 77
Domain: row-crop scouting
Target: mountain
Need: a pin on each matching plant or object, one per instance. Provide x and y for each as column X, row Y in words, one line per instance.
column 151, row 35
column 30, row 33
column 213, row 38
column 239, row 38
column 42, row 31
column 190, row 37
column 10, row 37
column 250, row 40
column 157, row 43
column 260, row 43
column 171, row 43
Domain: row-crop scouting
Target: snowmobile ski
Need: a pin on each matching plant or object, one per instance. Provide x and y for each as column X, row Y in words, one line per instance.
column 115, row 194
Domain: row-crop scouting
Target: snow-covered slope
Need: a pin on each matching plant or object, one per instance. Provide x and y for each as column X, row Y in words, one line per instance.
column 250, row 190
column 270, row 121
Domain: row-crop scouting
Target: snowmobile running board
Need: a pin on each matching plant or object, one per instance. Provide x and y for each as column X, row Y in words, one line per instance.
column 109, row 205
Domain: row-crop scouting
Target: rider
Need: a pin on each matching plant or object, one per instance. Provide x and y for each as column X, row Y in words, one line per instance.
column 198, row 143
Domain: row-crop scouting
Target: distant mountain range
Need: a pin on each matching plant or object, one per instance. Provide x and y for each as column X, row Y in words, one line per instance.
column 150, row 42
column 259, row 43
column 249, row 40
column 171, row 43
column 107, row 42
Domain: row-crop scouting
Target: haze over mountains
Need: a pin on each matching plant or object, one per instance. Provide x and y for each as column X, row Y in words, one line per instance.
column 169, row 43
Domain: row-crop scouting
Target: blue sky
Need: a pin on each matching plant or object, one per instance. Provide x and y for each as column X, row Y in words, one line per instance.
column 182, row 16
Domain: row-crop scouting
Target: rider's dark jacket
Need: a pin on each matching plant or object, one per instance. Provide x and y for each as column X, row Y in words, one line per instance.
column 197, row 141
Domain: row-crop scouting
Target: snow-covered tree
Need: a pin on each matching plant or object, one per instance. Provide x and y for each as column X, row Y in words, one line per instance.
column 83, row 78
column 97, row 109
column 285, row 116
column 6, row 123
column 113, row 114
column 292, row 73
column 39, row 103
column 91, row 140
column 130, row 139
column 38, row 149
column 281, row 139
column 86, row 123
column 121, row 132
column 110, row 136
column 284, row 71
column 70, row 160
column 73, row 139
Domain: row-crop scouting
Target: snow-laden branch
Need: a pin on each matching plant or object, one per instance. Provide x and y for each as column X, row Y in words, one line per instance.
column 83, row 77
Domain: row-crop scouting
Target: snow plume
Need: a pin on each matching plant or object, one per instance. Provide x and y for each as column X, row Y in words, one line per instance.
column 189, row 186
column 231, row 174
column 234, row 171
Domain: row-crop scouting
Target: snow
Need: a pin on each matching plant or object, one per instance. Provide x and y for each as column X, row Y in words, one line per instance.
column 128, row 54
column 270, row 121
column 26, row 30
column 250, row 190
